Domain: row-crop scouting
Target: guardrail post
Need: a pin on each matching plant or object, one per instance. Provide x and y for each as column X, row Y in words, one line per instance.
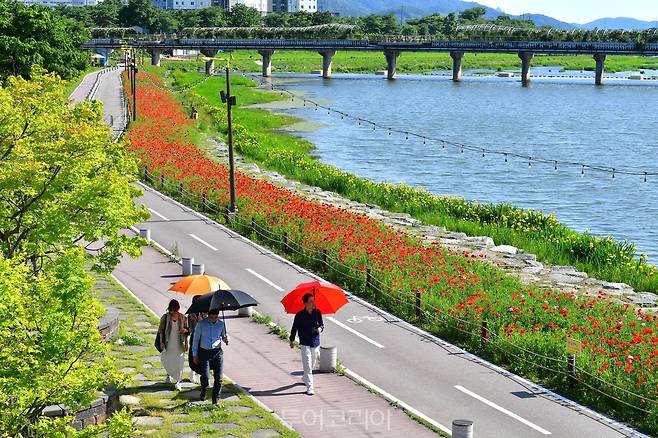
column 286, row 247
column 162, row 180
column 253, row 225
column 462, row 429
column 325, row 259
column 571, row 370
column 368, row 279
column 418, row 305
column 484, row 334
column 180, row 189
column 204, row 202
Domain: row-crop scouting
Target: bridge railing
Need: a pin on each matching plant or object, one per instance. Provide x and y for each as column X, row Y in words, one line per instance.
column 537, row 46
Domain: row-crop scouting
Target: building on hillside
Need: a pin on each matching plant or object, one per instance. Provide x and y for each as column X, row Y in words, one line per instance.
column 294, row 5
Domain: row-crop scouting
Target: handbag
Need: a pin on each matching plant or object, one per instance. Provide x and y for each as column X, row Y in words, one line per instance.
column 158, row 344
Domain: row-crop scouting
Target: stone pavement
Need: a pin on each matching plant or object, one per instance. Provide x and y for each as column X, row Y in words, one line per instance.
column 159, row 410
column 265, row 366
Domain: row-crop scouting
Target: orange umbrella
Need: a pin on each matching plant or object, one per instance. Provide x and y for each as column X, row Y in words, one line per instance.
column 198, row 285
column 328, row 297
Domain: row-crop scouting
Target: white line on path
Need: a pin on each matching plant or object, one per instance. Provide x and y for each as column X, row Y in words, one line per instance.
column 157, row 214
column 256, row 274
column 501, row 409
column 203, row 242
column 351, row 330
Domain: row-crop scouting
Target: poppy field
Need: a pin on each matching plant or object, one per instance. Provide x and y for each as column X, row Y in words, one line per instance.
column 526, row 328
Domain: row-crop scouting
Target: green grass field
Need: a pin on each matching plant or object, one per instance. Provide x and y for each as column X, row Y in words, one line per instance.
column 370, row 62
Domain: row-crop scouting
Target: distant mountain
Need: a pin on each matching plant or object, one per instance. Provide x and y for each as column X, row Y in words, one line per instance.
column 618, row 23
column 418, row 8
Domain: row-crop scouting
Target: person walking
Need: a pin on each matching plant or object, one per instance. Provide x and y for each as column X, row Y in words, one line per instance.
column 207, row 352
column 192, row 320
column 173, row 341
column 308, row 323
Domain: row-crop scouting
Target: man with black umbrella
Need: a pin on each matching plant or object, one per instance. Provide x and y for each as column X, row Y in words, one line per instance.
column 207, row 352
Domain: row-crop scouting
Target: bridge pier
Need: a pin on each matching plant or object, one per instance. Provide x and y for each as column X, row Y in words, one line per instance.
column 600, row 68
column 327, row 60
column 155, row 56
column 457, row 65
column 210, row 63
column 526, row 63
column 267, row 62
column 392, row 63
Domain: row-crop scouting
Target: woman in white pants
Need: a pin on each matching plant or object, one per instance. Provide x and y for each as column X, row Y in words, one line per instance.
column 308, row 324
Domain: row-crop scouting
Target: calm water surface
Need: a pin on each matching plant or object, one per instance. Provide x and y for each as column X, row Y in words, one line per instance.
column 559, row 119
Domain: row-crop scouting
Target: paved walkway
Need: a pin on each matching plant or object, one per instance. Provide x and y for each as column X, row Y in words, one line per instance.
column 265, row 366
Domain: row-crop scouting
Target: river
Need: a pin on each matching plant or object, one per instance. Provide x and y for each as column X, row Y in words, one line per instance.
column 562, row 119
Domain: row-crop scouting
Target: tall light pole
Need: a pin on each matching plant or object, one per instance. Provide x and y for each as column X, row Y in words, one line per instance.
column 133, row 84
column 230, row 101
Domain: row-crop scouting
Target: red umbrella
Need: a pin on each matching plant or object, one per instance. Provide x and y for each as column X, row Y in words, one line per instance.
column 328, row 297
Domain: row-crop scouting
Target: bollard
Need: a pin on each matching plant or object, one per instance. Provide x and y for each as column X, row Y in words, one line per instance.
column 145, row 233
column 245, row 312
column 328, row 359
column 198, row 269
column 187, row 263
column 418, row 306
column 462, row 429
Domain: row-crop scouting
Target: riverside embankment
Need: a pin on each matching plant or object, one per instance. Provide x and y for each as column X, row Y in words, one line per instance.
column 458, row 291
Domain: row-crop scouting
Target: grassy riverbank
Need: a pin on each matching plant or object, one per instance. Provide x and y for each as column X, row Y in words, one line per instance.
column 543, row 235
column 370, row 62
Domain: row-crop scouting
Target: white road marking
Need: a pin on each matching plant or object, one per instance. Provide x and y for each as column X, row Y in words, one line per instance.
column 256, row 274
column 351, row 330
column 157, row 214
column 501, row 409
column 198, row 239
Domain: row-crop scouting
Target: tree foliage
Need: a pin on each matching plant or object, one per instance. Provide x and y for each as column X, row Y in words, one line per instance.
column 62, row 180
column 36, row 35
column 63, row 183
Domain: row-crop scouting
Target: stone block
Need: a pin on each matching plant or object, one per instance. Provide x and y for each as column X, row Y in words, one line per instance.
column 505, row 249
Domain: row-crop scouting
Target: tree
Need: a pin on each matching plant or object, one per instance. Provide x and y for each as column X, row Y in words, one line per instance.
column 166, row 21
column 450, row 24
column 379, row 24
column 300, row 19
column 63, row 182
column 319, row 18
column 212, row 17
column 32, row 35
column 243, row 16
column 473, row 14
column 138, row 13
column 276, row 19
column 106, row 13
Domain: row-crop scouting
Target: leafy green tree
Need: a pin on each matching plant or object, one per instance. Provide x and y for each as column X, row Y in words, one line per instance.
column 80, row 14
column 473, row 15
column 32, row 35
column 243, row 16
column 63, row 182
column 319, row 18
column 166, row 21
column 300, row 19
column 106, row 13
column 450, row 24
column 212, row 17
column 140, row 13
column 379, row 24
column 276, row 19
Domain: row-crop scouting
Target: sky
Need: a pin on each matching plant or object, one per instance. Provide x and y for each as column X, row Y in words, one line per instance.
column 580, row 11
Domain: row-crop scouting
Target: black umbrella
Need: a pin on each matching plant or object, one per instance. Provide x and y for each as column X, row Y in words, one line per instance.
column 222, row 300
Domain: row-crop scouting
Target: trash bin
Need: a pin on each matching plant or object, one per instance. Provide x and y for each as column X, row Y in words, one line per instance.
column 245, row 312
column 198, row 269
column 328, row 358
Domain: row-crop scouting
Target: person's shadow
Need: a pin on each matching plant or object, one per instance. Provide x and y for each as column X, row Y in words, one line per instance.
column 276, row 392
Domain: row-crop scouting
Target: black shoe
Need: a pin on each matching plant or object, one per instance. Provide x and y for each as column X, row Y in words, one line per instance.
column 202, row 396
column 214, row 401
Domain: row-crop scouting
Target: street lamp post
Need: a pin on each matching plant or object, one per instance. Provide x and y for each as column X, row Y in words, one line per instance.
column 133, row 67
column 230, row 101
